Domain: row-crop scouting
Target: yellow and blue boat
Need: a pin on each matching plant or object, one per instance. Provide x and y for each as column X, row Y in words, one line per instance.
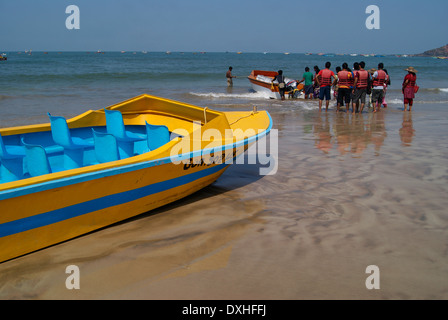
column 66, row 178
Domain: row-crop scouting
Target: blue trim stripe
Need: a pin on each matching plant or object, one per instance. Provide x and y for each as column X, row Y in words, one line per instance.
column 80, row 209
column 20, row 191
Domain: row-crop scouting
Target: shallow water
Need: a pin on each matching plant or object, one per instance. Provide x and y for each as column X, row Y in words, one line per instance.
column 350, row 191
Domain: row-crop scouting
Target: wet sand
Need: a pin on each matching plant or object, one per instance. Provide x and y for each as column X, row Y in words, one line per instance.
column 350, row 191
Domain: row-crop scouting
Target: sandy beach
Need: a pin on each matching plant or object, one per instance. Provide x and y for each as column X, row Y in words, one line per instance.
column 350, row 191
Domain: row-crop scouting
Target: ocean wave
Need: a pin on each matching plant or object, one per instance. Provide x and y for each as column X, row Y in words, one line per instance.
column 248, row 95
column 400, row 101
column 112, row 76
column 433, row 90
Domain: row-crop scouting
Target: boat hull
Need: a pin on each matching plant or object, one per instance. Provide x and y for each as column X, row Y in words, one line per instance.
column 45, row 210
column 58, row 213
column 265, row 85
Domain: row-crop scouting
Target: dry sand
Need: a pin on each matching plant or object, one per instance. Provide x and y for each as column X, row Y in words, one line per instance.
column 350, row 191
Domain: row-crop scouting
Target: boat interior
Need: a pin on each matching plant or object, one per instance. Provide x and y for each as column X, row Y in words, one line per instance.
column 35, row 153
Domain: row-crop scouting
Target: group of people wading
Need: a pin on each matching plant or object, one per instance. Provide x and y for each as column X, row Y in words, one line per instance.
column 352, row 87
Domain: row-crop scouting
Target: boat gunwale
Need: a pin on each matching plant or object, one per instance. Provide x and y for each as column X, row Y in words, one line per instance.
column 73, row 176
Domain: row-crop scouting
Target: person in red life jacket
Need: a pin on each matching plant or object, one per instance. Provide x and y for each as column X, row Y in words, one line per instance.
column 344, row 82
column 360, row 88
column 352, row 86
column 408, row 87
column 385, row 88
column 380, row 78
column 325, row 79
column 335, row 86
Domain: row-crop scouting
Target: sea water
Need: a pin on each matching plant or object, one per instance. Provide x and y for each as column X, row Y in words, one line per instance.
column 350, row 192
column 68, row 83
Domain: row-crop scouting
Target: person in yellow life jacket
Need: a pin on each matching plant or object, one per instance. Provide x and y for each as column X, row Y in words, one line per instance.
column 360, row 88
column 379, row 80
column 325, row 79
column 344, row 91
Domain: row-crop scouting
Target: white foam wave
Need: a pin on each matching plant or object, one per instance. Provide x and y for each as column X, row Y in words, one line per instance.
column 394, row 101
column 444, row 89
column 400, row 101
column 249, row 95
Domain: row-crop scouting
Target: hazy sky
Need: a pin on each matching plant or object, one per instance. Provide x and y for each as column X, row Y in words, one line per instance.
column 406, row 26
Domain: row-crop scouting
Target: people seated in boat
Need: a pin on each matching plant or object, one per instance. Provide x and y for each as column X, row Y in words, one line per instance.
column 293, row 89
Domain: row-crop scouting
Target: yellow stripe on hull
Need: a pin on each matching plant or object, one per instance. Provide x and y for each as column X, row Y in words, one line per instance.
column 28, row 241
column 40, row 211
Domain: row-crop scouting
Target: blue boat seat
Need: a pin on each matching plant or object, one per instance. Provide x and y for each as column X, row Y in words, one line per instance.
column 156, row 135
column 11, row 161
column 106, row 147
column 36, row 160
column 61, row 134
column 73, row 146
column 115, row 126
column 125, row 138
column 10, row 152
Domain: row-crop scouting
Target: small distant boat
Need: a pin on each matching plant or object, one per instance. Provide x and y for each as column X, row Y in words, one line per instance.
column 442, row 58
column 66, row 178
column 239, row 52
column 168, row 52
column 3, row 57
column 262, row 82
column 286, row 53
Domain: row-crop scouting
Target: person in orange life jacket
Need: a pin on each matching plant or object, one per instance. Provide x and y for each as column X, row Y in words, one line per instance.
column 379, row 80
column 408, row 87
column 352, row 86
column 344, row 83
column 324, row 80
column 281, row 84
column 360, row 87
column 335, row 86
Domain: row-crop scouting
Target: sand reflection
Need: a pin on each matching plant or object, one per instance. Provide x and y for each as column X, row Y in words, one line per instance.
column 349, row 134
column 407, row 131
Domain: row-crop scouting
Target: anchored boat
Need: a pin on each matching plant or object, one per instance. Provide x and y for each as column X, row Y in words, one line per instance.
column 66, row 178
column 262, row 81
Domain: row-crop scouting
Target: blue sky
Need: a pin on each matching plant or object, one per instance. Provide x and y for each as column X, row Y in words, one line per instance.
column 406, row 26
